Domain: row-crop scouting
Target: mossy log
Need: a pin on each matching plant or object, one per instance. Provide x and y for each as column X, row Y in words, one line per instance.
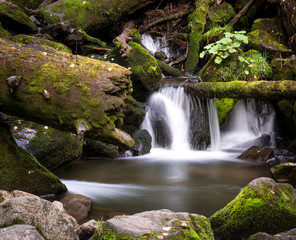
column 65, row 91
column 243, row 89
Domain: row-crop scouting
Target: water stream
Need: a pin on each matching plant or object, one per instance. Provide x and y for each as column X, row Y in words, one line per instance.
column 174, row 176
column 192, row 166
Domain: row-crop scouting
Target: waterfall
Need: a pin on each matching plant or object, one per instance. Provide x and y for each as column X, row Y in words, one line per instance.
column 155, row 45
column 169, row 120
column 249, row 125
column 214, row 125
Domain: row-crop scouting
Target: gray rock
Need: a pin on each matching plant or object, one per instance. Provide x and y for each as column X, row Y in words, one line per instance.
column 20, row 232
column 163, row 223
column 40, row 213
column 5, row 195
column 290, row 235
column 87, row 229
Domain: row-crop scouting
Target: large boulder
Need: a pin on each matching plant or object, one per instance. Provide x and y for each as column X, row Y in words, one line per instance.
column 262, row 206
column 68, row 92
column 143, row 142
column 257, row 154
column 20, row 232
column 92, row 15
column 42, row 214
column 12, row 17
column 158, row 224
column 20, row 170
column 93, row 148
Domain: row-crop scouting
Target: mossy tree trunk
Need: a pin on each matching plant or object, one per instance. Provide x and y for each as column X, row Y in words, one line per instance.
column 64, row 91
column 196, row 26
column 244, row 89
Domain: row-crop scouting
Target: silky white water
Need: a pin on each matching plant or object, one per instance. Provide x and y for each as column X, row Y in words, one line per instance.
column 173, row 106
column 155, row 45
column 246, row 125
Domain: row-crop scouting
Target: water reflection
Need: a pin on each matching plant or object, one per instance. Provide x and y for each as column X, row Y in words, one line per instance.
column 202, row 182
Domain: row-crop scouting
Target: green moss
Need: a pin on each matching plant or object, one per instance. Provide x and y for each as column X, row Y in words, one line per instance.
column 220, row 15
column 196, row 27
column 19, row 170
column 283, row 69
column 224, row 108
column 27, row 4
column 136, row 35
column 16, row 15
column 262, row 206
column 264, row 42
column 3, row 32
column 41, row 42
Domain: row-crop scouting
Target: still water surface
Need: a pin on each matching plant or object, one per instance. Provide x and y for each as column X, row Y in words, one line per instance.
column 193, row 181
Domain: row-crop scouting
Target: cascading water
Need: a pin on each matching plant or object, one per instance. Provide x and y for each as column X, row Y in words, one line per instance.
column 168, row 119
column 248, row 124
column 155, row 45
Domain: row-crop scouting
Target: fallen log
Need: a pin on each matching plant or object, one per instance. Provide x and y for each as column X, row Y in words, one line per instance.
column 242, row 89
column 68, row 92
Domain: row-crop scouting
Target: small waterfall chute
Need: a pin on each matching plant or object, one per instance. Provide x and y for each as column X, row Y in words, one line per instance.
column 177, row 121
column 155, row 45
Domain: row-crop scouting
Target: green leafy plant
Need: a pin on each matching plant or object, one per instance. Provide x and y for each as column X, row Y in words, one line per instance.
column 225, row 46
column 255, row 64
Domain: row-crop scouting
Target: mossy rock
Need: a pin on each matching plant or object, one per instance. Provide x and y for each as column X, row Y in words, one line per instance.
column 3, row 32
column 224, row 108
column 93, row 148
column 41, row 42
column 19, row 170
column 146, row 74
column 262, row 206
column 263, row 42
column 27, row 4
column 54, row 148
column 91, row 15
column 14, row 19
column 158, row 224
column 287, row 111
column 285, row 173
column 283, row 69
column 271, row 26
column 134, row 112
column 220, row 15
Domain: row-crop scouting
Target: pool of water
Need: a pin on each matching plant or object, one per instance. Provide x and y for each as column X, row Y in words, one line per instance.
column 198, row 182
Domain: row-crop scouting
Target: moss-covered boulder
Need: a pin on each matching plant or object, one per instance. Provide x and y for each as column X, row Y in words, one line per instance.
column 283, row 69
column 91, row 15
column 146, row 74
column 13, row 18
column 158, row 224
column 272, row 26
column 68, row 92
column 40, row 43
column 134, row 112
column 262, row 206
column 19, row 170
column 285, row 173
column 54, row 148
column 93, row 148
column 263, row 42
column 219, row 15
column 168, row 70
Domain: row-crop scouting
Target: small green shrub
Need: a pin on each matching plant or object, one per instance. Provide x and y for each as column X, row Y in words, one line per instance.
column 225, row 46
